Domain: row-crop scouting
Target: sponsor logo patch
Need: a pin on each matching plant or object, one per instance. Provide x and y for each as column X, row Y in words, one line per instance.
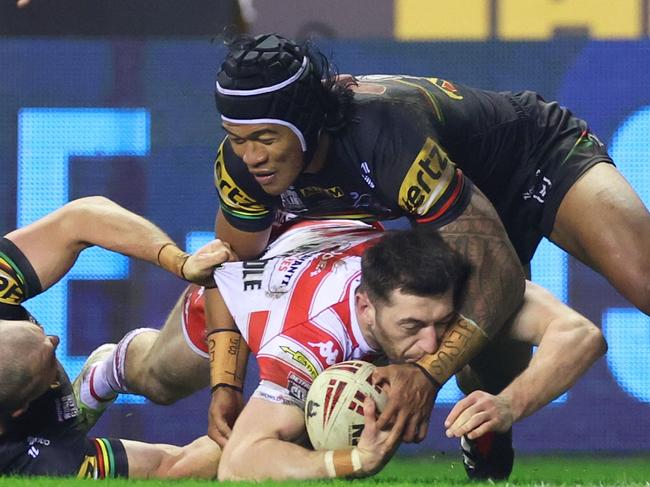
column 302, row 359
column 426, row 180
column 447, row 87
column 297, row 387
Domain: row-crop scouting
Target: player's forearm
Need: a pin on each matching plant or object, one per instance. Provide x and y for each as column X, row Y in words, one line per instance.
column 277, row 459
column 493, row 292
column 228, row 350
column 99, row 221
column 567, row 350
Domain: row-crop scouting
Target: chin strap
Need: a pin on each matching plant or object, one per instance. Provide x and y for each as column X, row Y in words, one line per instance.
column 228, row 357
column 461, row 343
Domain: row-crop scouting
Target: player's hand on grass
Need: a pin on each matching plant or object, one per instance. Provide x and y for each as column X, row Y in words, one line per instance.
column 411, row 396
column 477, row 414
column 225, row 406
column 199, row 266
column 376, row 446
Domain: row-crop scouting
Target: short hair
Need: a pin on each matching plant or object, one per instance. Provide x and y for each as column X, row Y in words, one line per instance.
column 269, row 77
column 416, row 261
column 16, row 369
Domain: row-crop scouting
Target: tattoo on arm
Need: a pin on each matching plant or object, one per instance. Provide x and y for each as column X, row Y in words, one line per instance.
column 496, row 285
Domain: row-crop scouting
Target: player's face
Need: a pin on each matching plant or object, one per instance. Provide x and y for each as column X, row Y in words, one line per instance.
column 410, row 326
column 271, row 152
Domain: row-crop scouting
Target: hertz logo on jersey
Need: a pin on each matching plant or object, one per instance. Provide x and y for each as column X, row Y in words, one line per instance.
column 426, row 180
column 233, row 198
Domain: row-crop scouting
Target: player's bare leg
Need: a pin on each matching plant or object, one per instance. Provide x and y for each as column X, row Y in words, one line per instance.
column 199, row 459
column 604, row 223
column 161, row 366
column 156, row 364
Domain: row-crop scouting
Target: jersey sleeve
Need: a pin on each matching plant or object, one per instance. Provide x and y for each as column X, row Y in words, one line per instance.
column 413, row 169
column 243, row 203
column 18, row 281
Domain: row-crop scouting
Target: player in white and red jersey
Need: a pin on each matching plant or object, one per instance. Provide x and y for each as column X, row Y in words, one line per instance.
column 295, row 306
column 313, row 300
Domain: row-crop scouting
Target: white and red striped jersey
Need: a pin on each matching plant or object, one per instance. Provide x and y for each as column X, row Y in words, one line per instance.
column 295, row 306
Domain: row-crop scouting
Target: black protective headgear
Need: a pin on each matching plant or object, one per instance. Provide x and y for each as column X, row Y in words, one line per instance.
column 272, row 80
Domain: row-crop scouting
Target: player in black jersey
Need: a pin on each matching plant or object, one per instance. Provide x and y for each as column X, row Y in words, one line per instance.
column 299, row 145
column 301, row 142
column 41, row 427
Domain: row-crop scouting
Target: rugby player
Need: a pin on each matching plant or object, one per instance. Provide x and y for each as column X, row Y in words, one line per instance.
column 41, row 429
column 313, row 301
column 299, row 141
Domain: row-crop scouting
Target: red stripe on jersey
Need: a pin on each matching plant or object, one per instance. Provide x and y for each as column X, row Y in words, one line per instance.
column 325, row 346
column 257, row 321
column 277, row 371
column 309, row 281
column 450, row 201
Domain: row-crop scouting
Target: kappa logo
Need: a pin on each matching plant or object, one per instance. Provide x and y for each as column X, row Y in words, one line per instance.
column 326, row 350
column 426, row 180
column 302, row 359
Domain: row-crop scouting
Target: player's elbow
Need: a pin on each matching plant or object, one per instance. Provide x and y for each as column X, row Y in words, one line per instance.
column 77, row 215
column 586, row 337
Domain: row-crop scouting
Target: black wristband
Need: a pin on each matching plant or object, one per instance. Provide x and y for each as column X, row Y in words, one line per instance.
column 214, row 388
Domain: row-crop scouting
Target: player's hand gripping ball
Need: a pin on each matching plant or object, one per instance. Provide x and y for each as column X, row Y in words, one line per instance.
column 334, row 410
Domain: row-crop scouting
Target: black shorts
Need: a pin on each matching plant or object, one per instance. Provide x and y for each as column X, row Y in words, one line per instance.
column 559, row 149
column 71, row 454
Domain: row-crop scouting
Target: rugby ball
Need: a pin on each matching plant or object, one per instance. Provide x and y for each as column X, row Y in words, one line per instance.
column 334, row 406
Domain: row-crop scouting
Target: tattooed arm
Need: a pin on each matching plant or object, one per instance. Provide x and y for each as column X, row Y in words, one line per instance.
column 496, row 287
column 493, row 293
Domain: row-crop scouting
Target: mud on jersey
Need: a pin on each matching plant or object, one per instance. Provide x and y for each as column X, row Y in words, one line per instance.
column 295, row 306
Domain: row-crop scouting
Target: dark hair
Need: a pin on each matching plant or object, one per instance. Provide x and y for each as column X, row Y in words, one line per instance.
column 317, row 99
column 416, row 261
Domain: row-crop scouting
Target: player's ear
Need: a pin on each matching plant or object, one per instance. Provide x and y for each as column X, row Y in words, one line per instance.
column 365, row 307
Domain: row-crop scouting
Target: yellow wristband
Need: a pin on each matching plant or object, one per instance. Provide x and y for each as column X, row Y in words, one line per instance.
column 228, row 356
column 460, row 344
column 172, row 259
column 342, row 463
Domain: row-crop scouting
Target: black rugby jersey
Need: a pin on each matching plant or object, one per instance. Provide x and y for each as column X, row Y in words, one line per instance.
column 399, row 156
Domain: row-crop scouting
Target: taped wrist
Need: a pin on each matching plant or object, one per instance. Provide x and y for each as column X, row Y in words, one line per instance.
column 172, row 259
column 460, row 344
column 342, row 463
column 228, row 356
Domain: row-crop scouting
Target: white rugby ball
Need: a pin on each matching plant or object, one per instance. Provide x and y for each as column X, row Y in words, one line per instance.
column 334, row 406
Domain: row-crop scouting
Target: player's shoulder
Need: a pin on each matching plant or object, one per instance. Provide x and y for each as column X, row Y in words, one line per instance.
column 240, row 196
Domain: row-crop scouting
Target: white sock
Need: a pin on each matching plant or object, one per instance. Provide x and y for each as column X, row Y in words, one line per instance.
column 107, row 379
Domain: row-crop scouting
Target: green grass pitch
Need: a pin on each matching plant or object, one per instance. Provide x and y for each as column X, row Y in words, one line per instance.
column 440, row 471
